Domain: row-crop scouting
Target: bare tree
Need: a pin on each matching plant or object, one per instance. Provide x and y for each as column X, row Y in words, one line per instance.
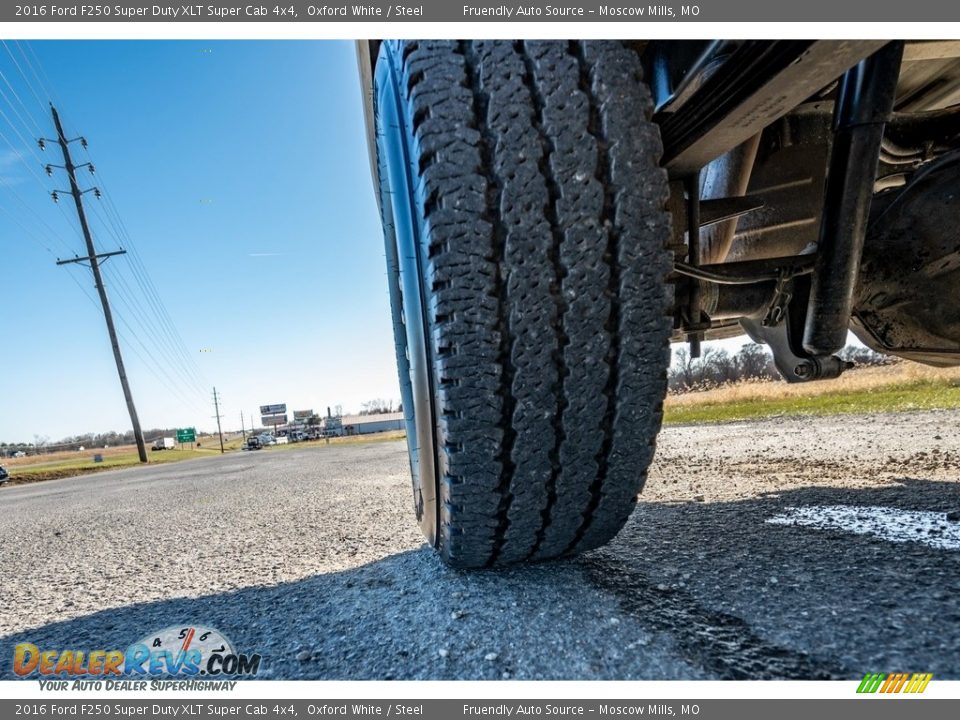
column 716, row 367
column 754, row 361
column 376, row 407
column 723, row 368
column 681, row 370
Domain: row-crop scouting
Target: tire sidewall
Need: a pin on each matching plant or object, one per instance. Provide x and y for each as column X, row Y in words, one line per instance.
column 404, row 233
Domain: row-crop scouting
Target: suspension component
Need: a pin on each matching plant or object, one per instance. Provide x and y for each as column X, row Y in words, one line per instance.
column 864, row 103
column 695, row 329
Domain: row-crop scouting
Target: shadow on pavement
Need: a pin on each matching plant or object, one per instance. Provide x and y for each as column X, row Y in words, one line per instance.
column 743, row 596
column 688, row 590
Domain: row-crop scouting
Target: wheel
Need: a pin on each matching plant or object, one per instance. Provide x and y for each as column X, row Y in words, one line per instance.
column 523, row 214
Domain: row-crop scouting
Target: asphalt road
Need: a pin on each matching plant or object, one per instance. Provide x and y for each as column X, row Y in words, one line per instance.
column 802, row 548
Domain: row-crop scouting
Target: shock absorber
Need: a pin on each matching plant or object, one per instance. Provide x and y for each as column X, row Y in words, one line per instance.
column 864, row 102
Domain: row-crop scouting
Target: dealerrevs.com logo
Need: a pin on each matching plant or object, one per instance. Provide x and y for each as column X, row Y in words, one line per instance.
column 180, row 651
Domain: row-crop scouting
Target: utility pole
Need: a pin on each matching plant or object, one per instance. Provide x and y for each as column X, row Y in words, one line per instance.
column 94, row 259
column 243, row 430
column 216, row 407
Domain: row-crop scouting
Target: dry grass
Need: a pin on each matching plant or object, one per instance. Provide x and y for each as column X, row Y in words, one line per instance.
column 120, row 453
column 865, row 380
column 897, row 387
column 54, row 465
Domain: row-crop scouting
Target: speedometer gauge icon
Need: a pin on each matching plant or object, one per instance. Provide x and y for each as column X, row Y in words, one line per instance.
column 196, row 642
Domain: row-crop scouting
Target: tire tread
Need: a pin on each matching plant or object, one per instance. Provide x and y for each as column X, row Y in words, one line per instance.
column 546, row 283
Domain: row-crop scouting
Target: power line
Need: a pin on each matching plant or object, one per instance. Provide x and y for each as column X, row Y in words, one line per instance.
column 153, row 365
column 32, row 70
column 6, row 99
column 40, row 242
column 154, row 316
column 37, row 126
column 129, row 299
column 23, row 74
column 52, row 90
column 40, row 220
column 150, row 291
column 33, row 152
column 25, row 229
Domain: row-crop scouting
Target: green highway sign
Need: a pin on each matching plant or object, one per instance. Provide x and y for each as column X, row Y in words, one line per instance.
column 186, row 435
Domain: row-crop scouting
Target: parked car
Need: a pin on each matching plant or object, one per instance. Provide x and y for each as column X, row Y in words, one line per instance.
column 556, row 213
column 253, row 443
column 267, row 439
column 4, row 475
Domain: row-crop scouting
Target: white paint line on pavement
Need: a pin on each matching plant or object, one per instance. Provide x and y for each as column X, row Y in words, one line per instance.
column 886, row 523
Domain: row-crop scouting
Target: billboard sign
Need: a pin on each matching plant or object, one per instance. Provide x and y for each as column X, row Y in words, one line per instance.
column 273, row 419
column 279, row 409
column 302, row 414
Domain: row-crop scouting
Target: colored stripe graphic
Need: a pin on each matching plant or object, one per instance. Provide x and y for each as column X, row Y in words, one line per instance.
column 900, row 681
column 871, row 682
column 918, row 683
column 894, row 683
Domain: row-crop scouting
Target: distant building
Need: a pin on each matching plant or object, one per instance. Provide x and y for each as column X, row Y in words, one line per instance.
column 366, row 424
column 332, row 425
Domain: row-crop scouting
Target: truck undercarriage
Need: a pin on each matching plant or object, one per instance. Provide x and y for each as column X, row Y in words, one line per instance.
column 841, row 196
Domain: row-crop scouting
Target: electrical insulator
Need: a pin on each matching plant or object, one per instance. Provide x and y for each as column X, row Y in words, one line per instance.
column 96, row 193
column 93, row 170
column 83, row 143
column 41, row 144
column 49, row 171
column 56, row 198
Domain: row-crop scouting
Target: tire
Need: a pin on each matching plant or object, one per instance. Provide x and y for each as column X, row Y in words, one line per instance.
column 526, row 242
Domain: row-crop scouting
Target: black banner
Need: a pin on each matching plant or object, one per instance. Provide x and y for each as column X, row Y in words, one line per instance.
column 579, row 11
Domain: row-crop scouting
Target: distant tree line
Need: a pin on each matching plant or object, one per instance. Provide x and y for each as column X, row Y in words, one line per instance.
column 753, row 361
column 380, row 407
column 864, row 356
column 42, row 445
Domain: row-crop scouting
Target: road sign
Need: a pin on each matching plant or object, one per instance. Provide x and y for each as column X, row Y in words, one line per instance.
column 302, row 414
column 273, row 420
column 279, row 409
column 186, row 435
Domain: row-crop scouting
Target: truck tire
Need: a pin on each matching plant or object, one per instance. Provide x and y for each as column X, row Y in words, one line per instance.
column 526, row 241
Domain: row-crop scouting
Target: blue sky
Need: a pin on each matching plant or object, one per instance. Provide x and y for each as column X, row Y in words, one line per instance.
column 240, row 173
